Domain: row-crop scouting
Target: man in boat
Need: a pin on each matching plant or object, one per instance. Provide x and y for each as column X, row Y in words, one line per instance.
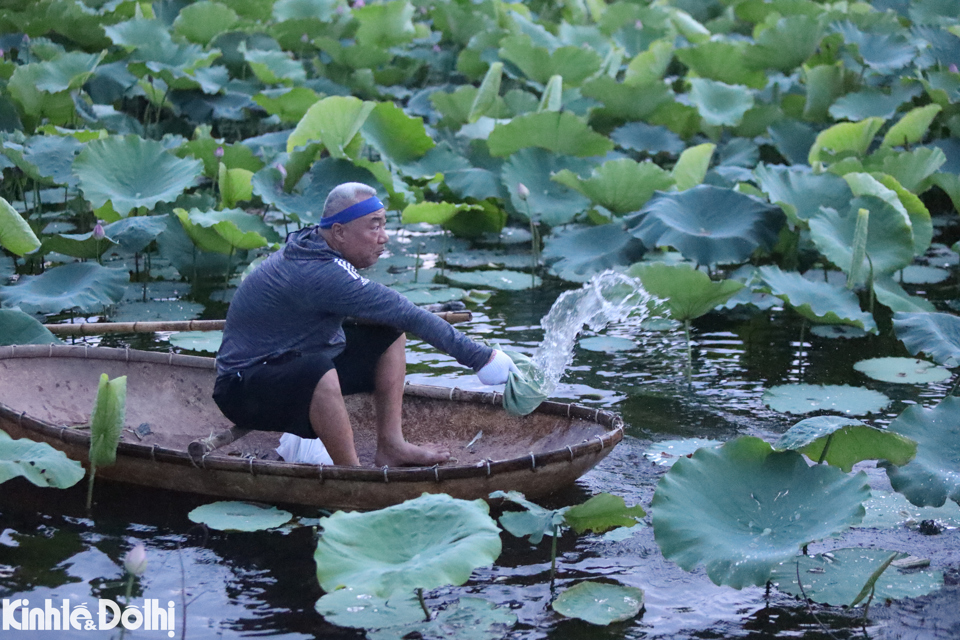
column 286, row 361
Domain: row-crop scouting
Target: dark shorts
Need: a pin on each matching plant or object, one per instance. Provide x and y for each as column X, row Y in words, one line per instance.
column 275, row 395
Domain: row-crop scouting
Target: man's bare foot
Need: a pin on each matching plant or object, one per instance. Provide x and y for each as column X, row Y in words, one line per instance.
column 411, row 455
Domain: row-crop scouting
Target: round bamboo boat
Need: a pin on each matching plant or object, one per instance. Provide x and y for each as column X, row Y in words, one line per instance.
column 47, row 394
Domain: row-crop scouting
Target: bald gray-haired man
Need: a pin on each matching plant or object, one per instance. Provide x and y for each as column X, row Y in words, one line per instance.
column 286, row 360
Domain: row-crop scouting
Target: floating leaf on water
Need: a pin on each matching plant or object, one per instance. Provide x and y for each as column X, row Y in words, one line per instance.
column 498, row 279
column 806, row 398
column 607, row 344
column 919, row 274
column 743, row 508
column 660, row 324
column 667, row 452
column 208, row 341
column 850, row 441
column 85, row 286
column 903, row 370
column 349, row 607
column 467, row 619
column 599, row 603
column 38, row 462
column 886, row 509
column 619, row 534
column 239, row 516
column 838, row 577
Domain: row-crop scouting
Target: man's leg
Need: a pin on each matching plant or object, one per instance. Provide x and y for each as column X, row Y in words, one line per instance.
column 392, row 449
column 330, row 421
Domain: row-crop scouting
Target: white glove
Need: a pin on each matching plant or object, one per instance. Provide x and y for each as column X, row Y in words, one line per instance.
column 498, row 369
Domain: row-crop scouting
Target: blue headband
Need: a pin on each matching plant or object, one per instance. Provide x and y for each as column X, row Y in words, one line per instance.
column 354, row 211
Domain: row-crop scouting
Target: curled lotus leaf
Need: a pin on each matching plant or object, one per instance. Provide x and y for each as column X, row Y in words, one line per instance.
column 816, row 301
column 16, row 235
column 539, row 64
column 577, row 253
column 85, row 286
column 131, row 172
column 935, row 334
column 620, row 185
column 720, row 104
column 549, row 202
column 434, row 540
column 38, row 462
column 708, row 225
column 689, row 293
column 843, row 442
column 931, row 478
column 801, row 192
column 742, row 509
column 558, row 131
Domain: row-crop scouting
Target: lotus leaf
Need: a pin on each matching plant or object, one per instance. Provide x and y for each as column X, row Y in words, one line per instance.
column 131, row 172
column 434, row 540
column 599, row 603
column 709, row 225
column 80, row 245
column 918, row 213
column 579, row 253
column 214, row 152
column 349, row 607
column 576, row 64
column 395, row 135
column 203, row 21
column 155, row 310
column 837, row 331
column 689, row 293
column 558, row 131
column 436, row 212
column 549, row 201
column 17, row 327
column 53, row 156
column 793, row 139
column 868, row 103
column 620, row 185
column 667, row 452
column 902, row 370
column 890, row 294
column 225, row 231
column 825, row 83
column 743, row 508
column 932, row 477
column 334, row 121
column 911, row 169
column 845, row 442
column 841, row 140
column 722, row 61
column 307, row 198
column 234, row 185
column 135, row 234
column 489, row 258
column 911, row 128
column 467, row 619
column 607, row 344
column 16, row 235
column 275, row 67
column 719, row 103
column 106, row 420
column 838, row 578
column 57, row 107
column 920, row 274
column 648, row 67
column 288, row 104
column 817, row 301
column 887, row 509
column 626, row 102
column 429, row 293
column 807, row 398
column 385, row 25
column 533, row 522
column 692, row 165
column 487, row 94
column 38, row 462
column 601, row 513
column 239, row 516
column 641, row 136
column 784, row 44
column 208, row 341
column 85, row 286
column 935, row 334
column 284, row 10
column 802, row 193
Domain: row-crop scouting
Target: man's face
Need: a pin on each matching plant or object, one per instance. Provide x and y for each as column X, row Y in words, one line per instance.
column 364, row 239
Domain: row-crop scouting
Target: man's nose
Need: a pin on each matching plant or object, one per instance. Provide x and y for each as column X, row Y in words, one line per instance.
column 384, row 238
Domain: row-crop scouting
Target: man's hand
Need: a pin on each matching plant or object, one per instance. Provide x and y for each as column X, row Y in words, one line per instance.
column 498, row 369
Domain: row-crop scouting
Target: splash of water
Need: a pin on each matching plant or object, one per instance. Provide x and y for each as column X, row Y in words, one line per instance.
column 608, row 297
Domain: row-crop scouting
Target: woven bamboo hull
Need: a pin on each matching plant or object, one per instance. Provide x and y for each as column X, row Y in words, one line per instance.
column 46, row 393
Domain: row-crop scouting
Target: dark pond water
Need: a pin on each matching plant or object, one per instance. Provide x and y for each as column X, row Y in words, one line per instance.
column 254, row 584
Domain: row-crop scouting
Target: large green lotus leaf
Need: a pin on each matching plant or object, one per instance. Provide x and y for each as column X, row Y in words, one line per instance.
column 722, row 61
column 67, row 72
column 434, row 540
column 623, row 101
column 932, row 477
column 743, row 508
column 720, row 104
column 785, row 44
column 920, row 222
column 889, row 237
column 935, row 334
column 807, row 398
column 201, row 22
column 17, row 327
column 819, row 302
column 599, row 603
column 106, row 420
column 38, row 462
column 793, row 139
column 576, row 253
column 85, row 286
column 864, row 184
column 423, row 293
column 707, row 224
column 333, row 121
column 868, row 103
column 284, row 10
column 136, row 233
column 349, row 607
column 889, row 509
column 214, row 152
column 559, row 131
column 234, row 186
column 890, row 294
column 76, row 245
column 435, row 212
column 911, row 128
column 307, row 198
column 234, row 229
column 131, row 172
column 398, row 137
column 239, row 516
column 800, row 192
column 549, row 201
column 847, row 441
column 620, row 185
column 533, row 522
column 467, row 619
column 139, row 32
column 640, row 136
column 503, row 279
column 692, row 165
column 16, row 235
column 845, row 138
column 575, row 64
column 837, row 578
column 58, row 108
column 825, row 83
column 648, row 67
column 910, row 168
column 689, row 293
column 902, row 370
column 288, row 104
column 601, row 513
column 275, row 67
column 53, row 156
column 385, row 25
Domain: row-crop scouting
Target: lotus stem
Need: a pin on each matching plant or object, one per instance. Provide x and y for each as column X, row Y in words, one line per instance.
column 866, row 606
column 126, row 599
column 686, row 333
column 553, row 555
column 226, row 281
column 423, row 605
column 93, row 472
column 803, row 330
column 826, row 448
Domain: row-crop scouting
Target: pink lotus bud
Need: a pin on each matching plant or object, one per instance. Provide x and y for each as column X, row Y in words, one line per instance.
column 218, row 152
column 135, row 562
column 359, row 4
column 98, row 231
column 638, row 24
column 2, row 53
column 522, row 191
column 953, row 68
column 282, row 169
